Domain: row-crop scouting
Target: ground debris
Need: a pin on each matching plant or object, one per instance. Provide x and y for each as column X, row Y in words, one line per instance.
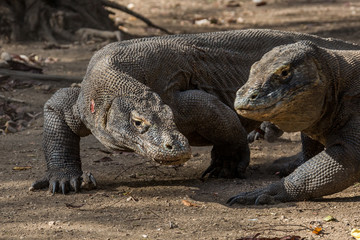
column 259, row 3
column 21, row 168
column 233, row 3
column 256, row 237
column 329, row 219
column 31, row 63
column 70, row 205
column 14, row 116
column 355, row 233
column 189, row 204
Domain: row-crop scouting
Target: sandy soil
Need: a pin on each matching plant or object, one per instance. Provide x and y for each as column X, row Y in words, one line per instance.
column 138, row 199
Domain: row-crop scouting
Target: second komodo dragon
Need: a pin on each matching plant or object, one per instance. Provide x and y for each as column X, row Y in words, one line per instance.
column 156, row 96
column 315, row 90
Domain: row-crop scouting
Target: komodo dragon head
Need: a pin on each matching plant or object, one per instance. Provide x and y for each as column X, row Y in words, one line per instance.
column 142, row 123
column 286, row 87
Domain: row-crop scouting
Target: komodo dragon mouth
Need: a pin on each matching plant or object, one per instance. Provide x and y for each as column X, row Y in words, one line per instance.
column 160, row 155
column 268, row 105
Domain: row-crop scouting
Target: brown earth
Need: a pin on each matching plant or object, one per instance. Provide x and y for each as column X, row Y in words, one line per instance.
column 137, row 199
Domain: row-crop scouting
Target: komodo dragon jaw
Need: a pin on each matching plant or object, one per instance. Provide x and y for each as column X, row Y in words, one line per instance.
column 289, row 95
column 144, row 126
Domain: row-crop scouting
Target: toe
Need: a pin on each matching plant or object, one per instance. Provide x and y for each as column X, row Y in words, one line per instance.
column 75, row 184
column 54, row 186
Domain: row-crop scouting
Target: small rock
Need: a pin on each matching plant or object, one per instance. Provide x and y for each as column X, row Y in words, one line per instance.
column 202, row 22
column 233, row 3
column 130, row 6
column 43, row 87
column 51, row 223
column 259, row 2
column 240, row 20
column 5, row 56
column 172, row 225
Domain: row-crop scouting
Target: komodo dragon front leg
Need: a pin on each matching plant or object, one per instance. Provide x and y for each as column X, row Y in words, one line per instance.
column 62, row 132
column 204, row 119
column 332, row 170
column 310, row 148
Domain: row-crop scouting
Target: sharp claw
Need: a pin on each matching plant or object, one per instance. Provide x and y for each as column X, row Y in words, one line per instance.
column 53, row 187
column 64, row 187
column 92, row 179
column 212, row 173
column 75, row 183
column 208, row 170
column 231, row 201
column 77, row 186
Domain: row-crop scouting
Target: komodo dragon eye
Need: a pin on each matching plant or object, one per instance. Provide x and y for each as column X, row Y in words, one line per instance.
column 283, row 74
column 137, row 121
column 140, row 124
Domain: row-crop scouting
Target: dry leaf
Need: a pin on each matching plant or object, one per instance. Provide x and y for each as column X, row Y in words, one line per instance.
column 317, row 230
column 355, row 233
column 329, row 218
column 21, row 168
column 189, row 204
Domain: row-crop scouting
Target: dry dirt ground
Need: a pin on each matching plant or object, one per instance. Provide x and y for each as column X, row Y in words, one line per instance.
column 137, row 199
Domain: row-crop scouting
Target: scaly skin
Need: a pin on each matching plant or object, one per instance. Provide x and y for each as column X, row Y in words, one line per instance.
column 303, row 87
column 156, row 96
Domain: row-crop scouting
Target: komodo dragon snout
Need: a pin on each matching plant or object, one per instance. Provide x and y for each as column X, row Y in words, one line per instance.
column 145, row 126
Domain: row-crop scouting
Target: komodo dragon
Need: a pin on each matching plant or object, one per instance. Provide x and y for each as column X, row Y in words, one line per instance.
column 153, row 95
column 315, row 90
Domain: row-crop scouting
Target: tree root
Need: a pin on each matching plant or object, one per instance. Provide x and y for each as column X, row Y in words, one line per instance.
column 137, row 15
column 53, row 21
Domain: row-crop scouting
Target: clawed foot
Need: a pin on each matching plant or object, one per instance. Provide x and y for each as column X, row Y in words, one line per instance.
column 225, row 165
column 223, row 170
column 271, row 194
column 62, row 181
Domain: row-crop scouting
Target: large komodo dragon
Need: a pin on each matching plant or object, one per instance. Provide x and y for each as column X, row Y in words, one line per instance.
column 315, row 90
column 153, row 95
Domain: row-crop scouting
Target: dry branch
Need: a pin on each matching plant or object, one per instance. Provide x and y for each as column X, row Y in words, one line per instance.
column 137, row 15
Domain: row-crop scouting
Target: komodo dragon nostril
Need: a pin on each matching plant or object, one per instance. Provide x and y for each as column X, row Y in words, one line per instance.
column 168, row 146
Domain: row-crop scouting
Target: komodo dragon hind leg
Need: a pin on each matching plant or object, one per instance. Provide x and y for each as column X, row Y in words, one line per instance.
column 200, row 114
